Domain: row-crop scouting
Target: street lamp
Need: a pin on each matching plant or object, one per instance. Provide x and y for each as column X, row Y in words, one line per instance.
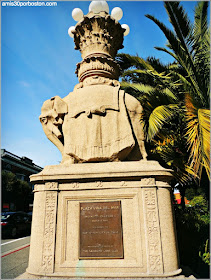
column 117, row 13
column 97, row 8
column 77, row 14
column 71, row 30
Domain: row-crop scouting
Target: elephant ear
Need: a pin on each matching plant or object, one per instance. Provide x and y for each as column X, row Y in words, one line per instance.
column 47, row 109
column 59, row 105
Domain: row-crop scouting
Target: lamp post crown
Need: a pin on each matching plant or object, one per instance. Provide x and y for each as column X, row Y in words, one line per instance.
column 98, row 36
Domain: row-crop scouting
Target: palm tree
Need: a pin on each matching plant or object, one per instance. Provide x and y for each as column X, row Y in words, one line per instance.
column 161, row 99
column 175, row 97
column 189, row 44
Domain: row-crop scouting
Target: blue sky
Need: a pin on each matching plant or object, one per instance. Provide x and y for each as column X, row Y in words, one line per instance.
column 38, row 61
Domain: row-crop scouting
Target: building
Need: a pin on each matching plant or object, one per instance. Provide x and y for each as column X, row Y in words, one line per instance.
column 22, row 167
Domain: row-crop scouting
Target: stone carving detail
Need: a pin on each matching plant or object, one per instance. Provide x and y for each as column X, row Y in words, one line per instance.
column 123, row 184
column 97, row 80
column 95, row 34
column 97, row 121
column 49, row 232
column 97, row 65
column 51, row 185
column 75, row 185
column 99, row 184
column 153, row 232
column 148, row 182
column 51, row 118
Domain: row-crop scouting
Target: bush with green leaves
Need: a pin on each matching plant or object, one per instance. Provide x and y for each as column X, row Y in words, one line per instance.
column 206, row 255
column 15, row 191
column 193, row 235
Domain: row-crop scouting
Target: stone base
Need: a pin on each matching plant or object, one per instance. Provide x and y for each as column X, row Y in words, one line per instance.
column 26, row 275
column 149, row 237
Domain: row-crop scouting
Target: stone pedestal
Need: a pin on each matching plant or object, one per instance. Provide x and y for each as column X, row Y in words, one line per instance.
column 141, row 193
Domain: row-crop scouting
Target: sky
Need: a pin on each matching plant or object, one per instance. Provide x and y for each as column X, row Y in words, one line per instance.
column 38, row 61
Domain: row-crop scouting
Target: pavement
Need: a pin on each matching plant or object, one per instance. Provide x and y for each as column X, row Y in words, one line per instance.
column 14, row 257
column 18, row 265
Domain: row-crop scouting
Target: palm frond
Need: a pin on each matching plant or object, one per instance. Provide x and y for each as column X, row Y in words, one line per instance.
column 198, row 137
column 139, row 88
column 167, row 51
column 183, row 80
column 204, row 125
column 160, row 116
column 200, row 30
column 179, row 20
column 181, row 52
column 175, row 43
column 168, row 152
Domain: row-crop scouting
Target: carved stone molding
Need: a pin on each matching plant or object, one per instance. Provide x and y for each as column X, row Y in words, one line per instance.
column 123, row 184
column 95, row 34
column 49, row 232
column 163, row 184
column 155, row 259
column 98, row 184
column 98, row 65
column 37, row 187
column 76, row 185
column 98, row 37
column 97, row 80
column 51, row 186
column 148, row 182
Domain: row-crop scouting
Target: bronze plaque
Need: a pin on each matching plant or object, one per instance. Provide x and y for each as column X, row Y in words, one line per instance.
column 101, row 230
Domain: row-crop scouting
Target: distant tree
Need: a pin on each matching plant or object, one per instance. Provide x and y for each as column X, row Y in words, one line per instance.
column 15, row 191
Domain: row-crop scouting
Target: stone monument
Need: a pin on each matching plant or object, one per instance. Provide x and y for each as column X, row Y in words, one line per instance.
column 106, row 210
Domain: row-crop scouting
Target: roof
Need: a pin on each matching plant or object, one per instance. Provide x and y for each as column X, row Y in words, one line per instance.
column 21, row 162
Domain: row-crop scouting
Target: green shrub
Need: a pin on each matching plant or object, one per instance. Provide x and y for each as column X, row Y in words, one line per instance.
column 206, row 255
column 192, row 225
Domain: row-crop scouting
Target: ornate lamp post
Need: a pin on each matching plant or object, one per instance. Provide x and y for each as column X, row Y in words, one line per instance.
column 80, row 124
column 110, row 216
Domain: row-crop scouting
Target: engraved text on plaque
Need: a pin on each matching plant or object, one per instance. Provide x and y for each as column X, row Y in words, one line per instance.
column 100, row 230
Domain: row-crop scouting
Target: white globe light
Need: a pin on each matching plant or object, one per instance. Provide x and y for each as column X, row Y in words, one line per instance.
column 98, row 6
column 117, row 13
column 70, row 31
column 105, row 6
column 77, row 14
column 127, row 29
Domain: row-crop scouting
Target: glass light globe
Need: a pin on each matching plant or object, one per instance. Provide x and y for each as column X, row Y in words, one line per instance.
column 98, row 6
column 70, row 31
column 127, row 29
column 77, row 14
column 105, row 6
column 117, row 13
